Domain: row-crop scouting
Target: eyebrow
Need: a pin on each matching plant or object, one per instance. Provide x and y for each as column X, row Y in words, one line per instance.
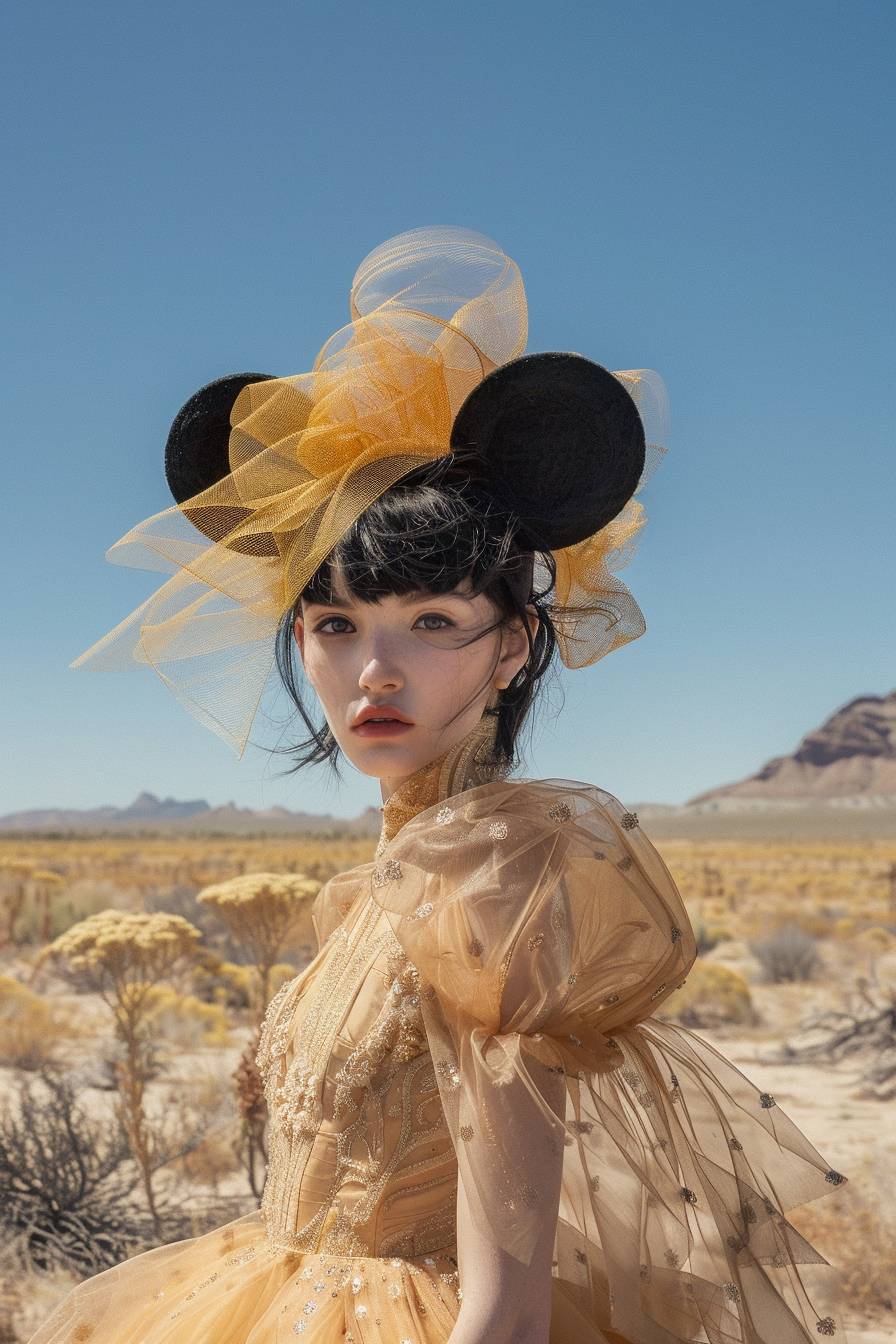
column 406, row 599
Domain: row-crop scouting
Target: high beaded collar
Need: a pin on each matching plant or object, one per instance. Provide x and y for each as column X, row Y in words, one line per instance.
column 466, row 764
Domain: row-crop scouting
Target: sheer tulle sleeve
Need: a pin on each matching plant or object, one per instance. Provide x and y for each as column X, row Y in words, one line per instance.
column 546, row 930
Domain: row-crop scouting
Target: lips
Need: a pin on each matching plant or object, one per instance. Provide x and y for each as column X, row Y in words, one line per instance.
column 382, row 713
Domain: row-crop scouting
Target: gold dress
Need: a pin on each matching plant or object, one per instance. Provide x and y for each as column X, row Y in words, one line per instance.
column 480, row 1010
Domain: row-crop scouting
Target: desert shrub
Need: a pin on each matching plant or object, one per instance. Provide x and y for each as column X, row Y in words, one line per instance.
column 181, row 900
column 708, row 935
column 184, row 1020
column 84, row 897
column 711, row 994
column 30, row 1027
column 266, row 912
column 788, row 954
column 232, row 984
column 65, row 1178
column 814, row 923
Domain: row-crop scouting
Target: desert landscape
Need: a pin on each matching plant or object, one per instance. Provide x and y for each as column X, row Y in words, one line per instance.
column 139, row 952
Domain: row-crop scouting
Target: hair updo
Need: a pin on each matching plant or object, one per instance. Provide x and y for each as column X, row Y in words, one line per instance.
column 430, row 531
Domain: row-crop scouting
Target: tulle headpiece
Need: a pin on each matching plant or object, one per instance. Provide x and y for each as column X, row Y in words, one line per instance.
column 270, row 472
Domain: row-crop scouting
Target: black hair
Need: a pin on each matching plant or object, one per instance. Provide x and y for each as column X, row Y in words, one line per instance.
column 433, row 529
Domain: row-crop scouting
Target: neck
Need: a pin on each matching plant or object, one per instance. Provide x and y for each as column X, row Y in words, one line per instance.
column 469, row 762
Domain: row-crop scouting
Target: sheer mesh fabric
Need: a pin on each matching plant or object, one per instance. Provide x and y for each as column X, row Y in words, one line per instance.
column 548, row 930
column 432, row 312
column 481, row 1011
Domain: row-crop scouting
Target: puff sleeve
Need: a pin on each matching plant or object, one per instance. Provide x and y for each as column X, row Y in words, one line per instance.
column 546, row 930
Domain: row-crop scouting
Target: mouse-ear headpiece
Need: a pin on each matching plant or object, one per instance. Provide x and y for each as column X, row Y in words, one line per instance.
column 269, row 473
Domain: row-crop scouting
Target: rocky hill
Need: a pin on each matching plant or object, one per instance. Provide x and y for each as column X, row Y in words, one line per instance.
column 852, row 755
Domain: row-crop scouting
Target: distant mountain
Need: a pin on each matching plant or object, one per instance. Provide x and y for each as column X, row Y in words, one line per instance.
column 147, row 812
column 841, row 778
column 852, row 755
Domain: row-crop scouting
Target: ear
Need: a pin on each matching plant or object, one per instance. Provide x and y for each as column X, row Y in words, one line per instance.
column 298, row 630
column 515, row 647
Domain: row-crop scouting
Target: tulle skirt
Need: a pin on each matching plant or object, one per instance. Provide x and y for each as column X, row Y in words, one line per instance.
column 230, row 1286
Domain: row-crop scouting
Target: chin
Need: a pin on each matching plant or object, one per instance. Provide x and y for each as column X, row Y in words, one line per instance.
column 384, row 758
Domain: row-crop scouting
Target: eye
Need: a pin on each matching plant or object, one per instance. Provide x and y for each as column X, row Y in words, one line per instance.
column 434, row 616
column 320, row 629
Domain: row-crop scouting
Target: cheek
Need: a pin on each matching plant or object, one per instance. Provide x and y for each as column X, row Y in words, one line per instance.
column 325, row 671
column 458, row 672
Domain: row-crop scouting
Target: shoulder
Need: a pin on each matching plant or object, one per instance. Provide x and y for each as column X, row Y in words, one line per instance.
column 495, row 853
column 561, row 815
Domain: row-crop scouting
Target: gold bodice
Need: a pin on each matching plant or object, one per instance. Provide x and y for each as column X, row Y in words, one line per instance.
column 360, row 1159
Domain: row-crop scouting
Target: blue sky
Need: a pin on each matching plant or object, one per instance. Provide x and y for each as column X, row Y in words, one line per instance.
column 703, row 189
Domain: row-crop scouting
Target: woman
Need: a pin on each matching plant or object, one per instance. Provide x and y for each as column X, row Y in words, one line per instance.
column 478, row 1131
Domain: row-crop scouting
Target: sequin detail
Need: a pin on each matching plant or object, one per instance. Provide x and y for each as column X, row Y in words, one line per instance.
column 560, row 812
column 766, row 1100
column 629, row 820
column 447, row 1069
column 498, row 830
column 389, row 872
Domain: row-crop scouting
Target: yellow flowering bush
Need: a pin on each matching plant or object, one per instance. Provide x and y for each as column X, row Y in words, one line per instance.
column 29, row 1026
column 265, row 911
column 234, row 985
column 120, row 956
column 712, row 993
column 184, row 1020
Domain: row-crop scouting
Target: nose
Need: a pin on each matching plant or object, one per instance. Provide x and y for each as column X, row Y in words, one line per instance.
column 380, row 671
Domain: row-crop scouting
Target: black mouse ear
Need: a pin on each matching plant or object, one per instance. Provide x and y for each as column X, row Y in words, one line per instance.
column 196, row 457
column 561, row 444
column 196, row 453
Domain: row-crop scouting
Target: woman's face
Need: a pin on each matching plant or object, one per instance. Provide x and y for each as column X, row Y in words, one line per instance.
column 414, row 655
